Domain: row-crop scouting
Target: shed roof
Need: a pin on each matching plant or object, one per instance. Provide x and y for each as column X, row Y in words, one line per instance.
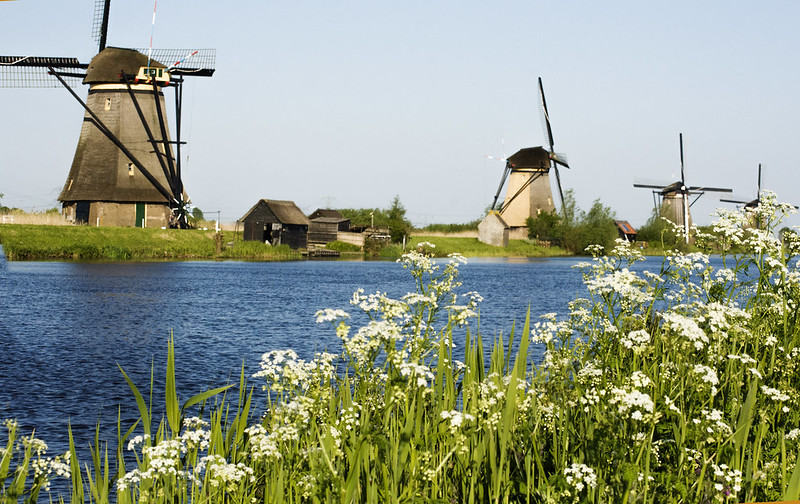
column 329, row 220
column 327, row 212
column 286, row 211
column 495, row 216
column 625, row 226
column 530, row 157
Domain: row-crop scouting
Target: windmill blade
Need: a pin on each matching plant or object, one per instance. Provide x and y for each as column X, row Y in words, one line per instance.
column 683, row 179
column 739, row 202
column 543, row 103
column 710, row 189
column 560, row 191
column 758, row 193
column 506, row 171
column 200, row 64
column 100, row 25
column 650, row 186
column 33, row 71
column 559, row 159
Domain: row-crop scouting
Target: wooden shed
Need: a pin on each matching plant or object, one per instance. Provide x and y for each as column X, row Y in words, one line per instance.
column 342, row 223
column 325, row 226
column 276, row 222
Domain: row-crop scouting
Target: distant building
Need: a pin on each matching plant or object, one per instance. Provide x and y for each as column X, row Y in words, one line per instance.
column 326, row 225
column 276, row 222
column 626, row 231
column 493, row 230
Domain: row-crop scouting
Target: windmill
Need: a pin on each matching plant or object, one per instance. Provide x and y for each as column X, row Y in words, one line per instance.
column 751, row 203
column 126, row 170
column 528, row 174
column 672, row 201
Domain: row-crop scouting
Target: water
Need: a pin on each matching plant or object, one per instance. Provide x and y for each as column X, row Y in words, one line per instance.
column 67, row 326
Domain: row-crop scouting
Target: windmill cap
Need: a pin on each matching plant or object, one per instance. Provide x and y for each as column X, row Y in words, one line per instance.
column 105, row 67
column 530, row 157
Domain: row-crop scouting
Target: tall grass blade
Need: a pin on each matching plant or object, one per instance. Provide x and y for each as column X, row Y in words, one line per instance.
column 144, row 412
column 170, row 393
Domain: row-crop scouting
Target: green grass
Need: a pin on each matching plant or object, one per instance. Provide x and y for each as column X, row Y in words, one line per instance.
column 31, row 242
column 451, row 228
column 471, row 247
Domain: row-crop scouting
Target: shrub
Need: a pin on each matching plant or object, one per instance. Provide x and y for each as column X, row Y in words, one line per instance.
column 342, row 246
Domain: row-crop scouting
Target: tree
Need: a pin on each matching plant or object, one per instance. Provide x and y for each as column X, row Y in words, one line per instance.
column 399, row 226
column 597, row 227
column 545, row 226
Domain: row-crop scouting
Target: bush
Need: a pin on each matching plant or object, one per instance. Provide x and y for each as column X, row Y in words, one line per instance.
column 342, row 246
column 574, row 229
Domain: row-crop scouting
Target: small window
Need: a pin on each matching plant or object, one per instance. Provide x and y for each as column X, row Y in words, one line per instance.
column 130, row 169
column 108, row 103
column 538, row 211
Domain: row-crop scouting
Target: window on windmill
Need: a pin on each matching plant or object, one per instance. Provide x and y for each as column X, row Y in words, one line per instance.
column 538, row 211
column 130, row 169
column 108, row 103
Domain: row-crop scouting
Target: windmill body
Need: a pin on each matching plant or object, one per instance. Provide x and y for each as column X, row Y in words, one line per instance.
column 675, row 205
column 529, row 192
column 126, row 170
column 673, row 200
column 104, row 187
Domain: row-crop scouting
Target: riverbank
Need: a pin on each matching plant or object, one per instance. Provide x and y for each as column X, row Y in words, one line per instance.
column 33, row 242
column 23, row 242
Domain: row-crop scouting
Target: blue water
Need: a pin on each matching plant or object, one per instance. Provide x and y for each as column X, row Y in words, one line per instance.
column 66, row 326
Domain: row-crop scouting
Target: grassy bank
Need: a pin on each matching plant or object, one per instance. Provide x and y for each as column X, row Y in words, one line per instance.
column 471, row 247
column 31, row 242
column 36, row 242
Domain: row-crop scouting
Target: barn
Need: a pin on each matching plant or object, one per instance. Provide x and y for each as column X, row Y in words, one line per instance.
column 325, row 226
column 276, row 222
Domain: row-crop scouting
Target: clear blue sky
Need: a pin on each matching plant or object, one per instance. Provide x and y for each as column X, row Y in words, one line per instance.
column 349, row 103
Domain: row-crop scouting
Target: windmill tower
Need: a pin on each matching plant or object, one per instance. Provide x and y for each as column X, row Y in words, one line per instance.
column 529, row 190
column 672, row 201
column 126, row 170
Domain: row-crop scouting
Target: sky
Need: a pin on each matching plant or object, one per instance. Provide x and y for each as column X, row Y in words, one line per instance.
column 348, row 104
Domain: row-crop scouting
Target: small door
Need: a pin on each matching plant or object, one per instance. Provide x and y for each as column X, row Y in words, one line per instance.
column 140, row 214
column 82, row 212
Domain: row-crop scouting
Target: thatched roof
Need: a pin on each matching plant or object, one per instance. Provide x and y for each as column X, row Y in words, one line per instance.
column 530, row 157
column 107, row 65
column 328, row 213
column 286, row 211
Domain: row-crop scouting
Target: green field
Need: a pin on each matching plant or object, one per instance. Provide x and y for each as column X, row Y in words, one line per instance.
column 471, row 247
column 32, row 242
column 37, row 242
